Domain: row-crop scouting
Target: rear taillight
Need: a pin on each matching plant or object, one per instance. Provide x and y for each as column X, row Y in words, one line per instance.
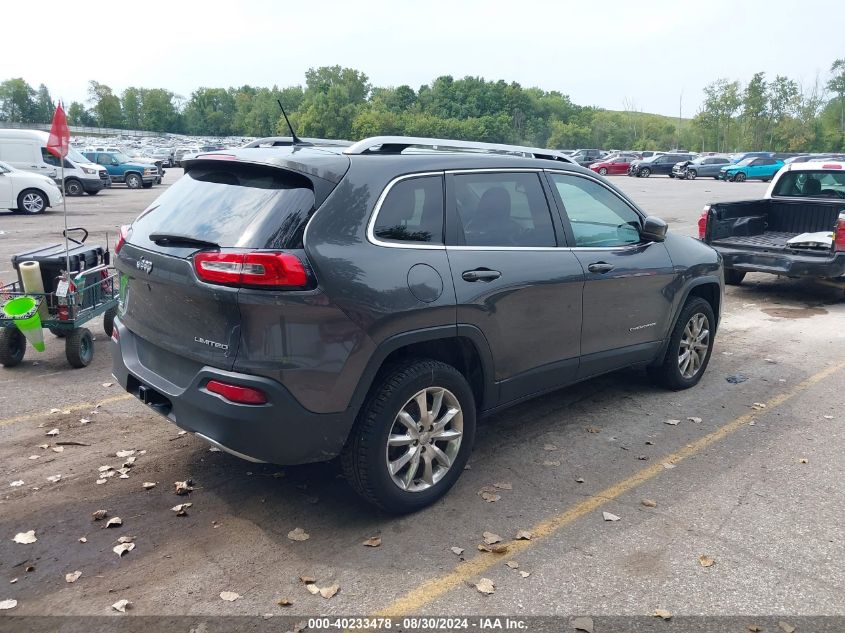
column 839, row 234
column 121, row 240
column 702, row 222
column 260, row 269
column 115, row 333
column 237, row 393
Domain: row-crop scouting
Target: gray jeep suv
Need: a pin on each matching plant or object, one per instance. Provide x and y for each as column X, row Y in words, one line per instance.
column 294, row 304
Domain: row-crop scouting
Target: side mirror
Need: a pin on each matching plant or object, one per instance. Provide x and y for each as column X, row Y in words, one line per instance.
column 654, row 229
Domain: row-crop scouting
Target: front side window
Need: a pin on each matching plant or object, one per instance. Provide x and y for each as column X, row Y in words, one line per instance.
column 503, row 209
column 599, row 218
column 412, row 212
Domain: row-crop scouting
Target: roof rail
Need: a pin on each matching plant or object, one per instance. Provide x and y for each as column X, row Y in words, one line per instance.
column 287, row 141
column 396, row 144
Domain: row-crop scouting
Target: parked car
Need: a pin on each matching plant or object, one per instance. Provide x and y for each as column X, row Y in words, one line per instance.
column 761, row 168
column 181, row 152
column 122, row 169
column 164, row 154
column 741, row 156
column 796, row 230
column 650, row 153
column 701, row 166
column 659, row 164
column 26, row 150
column 293, row 304
column 614, row 165
column 586, row 157
column 806, row 158
column 25, row 192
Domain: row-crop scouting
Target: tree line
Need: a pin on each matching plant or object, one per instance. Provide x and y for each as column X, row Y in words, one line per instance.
column 777, row 114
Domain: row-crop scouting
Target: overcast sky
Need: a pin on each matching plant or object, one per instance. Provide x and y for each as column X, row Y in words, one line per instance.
column 599, row 53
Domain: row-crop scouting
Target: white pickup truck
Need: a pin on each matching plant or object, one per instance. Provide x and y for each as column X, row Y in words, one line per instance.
column 796, row 230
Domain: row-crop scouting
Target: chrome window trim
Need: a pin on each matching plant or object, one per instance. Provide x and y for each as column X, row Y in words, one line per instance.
column 371, row 236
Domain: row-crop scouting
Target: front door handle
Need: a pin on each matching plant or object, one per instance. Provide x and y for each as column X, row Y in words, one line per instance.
column 481, row 274
column 600, row 267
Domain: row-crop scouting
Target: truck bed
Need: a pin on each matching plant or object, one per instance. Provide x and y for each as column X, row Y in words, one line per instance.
column 769, row 239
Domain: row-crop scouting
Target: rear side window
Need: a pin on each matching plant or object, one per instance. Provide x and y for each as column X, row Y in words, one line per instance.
column 504, row 209
column 811, row 184
column 233, row 206
column 412, row 211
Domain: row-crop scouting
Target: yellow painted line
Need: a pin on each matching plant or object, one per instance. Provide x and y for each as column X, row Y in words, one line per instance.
column 432, row 589
column 74, row 407
column 832, row 284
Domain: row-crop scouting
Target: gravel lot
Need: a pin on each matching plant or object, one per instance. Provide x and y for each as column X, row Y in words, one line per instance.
column 757, row 488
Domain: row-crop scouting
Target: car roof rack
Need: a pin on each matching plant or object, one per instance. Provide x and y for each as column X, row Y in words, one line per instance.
column 397, row 144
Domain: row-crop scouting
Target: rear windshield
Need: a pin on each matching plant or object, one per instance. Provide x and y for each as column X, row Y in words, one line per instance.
column 811, row 184
column 232, row 206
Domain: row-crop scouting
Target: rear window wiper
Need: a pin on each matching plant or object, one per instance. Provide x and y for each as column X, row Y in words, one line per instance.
column 176, row 239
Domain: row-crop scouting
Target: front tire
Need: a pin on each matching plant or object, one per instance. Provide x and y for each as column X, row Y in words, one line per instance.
column 740, row 177
column 32, row 201
column 692, row 174
column 690, row 347
column 602, row 172
column 645, row 172
column 133, row 181
column 12, row 346
column 413, row 436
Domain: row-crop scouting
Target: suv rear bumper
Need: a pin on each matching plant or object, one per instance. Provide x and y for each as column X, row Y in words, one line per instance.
column 783, row 264
column 280, row 432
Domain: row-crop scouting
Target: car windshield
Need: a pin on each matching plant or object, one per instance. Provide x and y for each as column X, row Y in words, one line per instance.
column 121, row 157
column 74, row 156
column 811, row 184
column 746, row 161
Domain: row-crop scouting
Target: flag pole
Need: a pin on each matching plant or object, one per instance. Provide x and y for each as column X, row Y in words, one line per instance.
column 64, row 204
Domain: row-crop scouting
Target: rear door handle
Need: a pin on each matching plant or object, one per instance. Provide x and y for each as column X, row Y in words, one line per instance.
column 600, row 267
column 481, row 274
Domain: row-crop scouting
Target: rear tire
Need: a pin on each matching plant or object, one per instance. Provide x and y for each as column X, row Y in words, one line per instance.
column 672, row 372
column 734, row 277
column 108, row 321
column 368, row 459
column 12, row 346
column 93, row 193
column 79, row 348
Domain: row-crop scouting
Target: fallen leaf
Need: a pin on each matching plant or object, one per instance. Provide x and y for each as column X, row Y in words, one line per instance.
column 579, row 480
column 307, row 580
column 582, row 624
column 312, row 589
column 649, row 503
column 525, row 574
column 213, row 449
column 52, row 432
column 499, row 548
column 457, row 551
column 126, row 539
column 593, row 429
column 649, row 443
column 82, row 539
column 662, row 613
column 104, row 469
column 182, row 487
column 672, row 422
column 549, row 447
column 13, row 581
column 122, row 605
column 54, row 478
column 757, row 406
column 29, row 568
column 523, row 535
column 107, row 384
column 803, row 460
column 485, row 586
column 668, row 466
column 126, row 453
column 182, row 509
column 706, row 561
column 58, row 449
column 123, row 548
column 114, row 522
column 8, row 604
column 34, row 456
column 100, row 482
column 229, row 596
column 828, row 417
column 149, row 485
column 181, row 433
column 298, row 534
column 754, row 628
column 84, row 420
column 607, row 516
column 503, row 486
column 328, row 592
column 284, row 602
column 17, row 483
column 73, row 577
column 491, row 538
column 694, row 419
column 512, row 564
column 25, row 538
column 488, row 494
column 373, row 541
column 786, row 627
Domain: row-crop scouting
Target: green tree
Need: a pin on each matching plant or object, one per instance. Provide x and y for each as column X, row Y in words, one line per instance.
column 755, row 113
column 78, row 115
column 17, row 101
column 210, row 111
column 158, row 111
column 131, row 104
column 105, row 105
column 44, row 106
column 837, row 84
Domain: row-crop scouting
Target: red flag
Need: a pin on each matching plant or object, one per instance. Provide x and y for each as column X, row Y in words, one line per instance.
column 59, row 139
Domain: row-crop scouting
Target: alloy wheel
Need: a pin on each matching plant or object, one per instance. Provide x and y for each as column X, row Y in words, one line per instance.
column 424, row 440
column 695, row 342
column 33, row 203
